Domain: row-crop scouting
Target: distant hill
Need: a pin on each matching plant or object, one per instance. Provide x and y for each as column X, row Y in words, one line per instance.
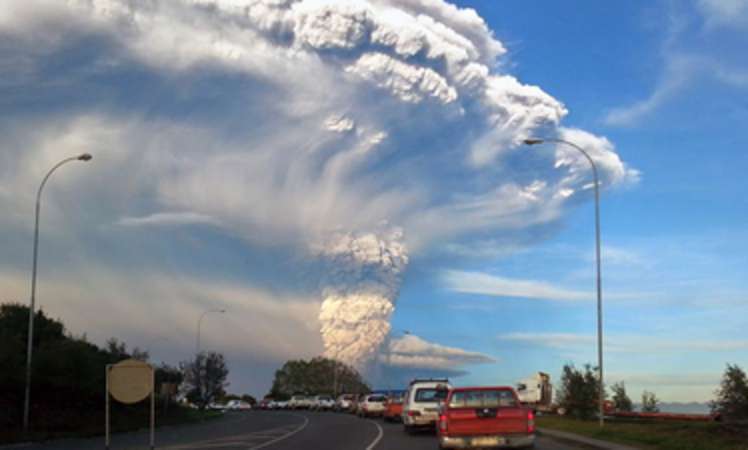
column 681, row 408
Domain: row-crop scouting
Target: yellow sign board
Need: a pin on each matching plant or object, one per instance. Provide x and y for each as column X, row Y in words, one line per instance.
column 130, row 381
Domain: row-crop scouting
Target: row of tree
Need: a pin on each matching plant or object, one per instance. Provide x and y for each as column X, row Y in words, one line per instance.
column 580, row 393
column 68, row 377
column 316, row 376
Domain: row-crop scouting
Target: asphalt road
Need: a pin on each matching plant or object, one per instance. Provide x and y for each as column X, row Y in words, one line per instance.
column 255, row 430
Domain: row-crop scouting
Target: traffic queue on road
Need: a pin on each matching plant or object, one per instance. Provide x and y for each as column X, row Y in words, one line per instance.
column 464, row 417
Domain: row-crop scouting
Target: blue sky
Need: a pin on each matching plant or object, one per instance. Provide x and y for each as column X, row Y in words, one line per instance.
column 675, row 243
column 325, row 169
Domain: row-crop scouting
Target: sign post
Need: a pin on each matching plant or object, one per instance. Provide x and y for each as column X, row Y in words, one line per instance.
column 130, row 381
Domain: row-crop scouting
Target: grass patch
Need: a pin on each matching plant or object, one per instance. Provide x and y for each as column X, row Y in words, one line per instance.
column 659, row 435
column 123, row 420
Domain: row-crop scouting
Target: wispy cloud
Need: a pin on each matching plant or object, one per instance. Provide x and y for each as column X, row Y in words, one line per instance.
column 167, row 219
column 496, row 286
column 686, row 62
column 414, row 352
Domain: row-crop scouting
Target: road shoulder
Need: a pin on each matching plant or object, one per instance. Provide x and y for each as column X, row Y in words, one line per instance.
column 583, row 440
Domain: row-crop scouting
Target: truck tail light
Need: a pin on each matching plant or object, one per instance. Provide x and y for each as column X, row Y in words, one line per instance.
column 530, row 422
column 443, row 423
column 414, row 413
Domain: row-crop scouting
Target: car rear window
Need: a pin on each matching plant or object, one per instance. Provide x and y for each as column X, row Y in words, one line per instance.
column 376, row 399
column 497, row 398
column 430, row 395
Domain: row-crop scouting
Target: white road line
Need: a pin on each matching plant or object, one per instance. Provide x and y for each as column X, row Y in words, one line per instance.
column 378, row 438
column 285, row 436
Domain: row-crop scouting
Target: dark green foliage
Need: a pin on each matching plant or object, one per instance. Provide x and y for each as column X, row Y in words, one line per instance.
column 249, row 399
column 621, row 400
column 205, row 377
column 67, row 379
column 732, row 396
column 650, row 402
column 579, row 391
column 316, row 376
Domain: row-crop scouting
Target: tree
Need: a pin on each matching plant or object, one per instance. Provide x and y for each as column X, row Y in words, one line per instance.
column 579, row 391
column 732, row 396
column 650, row 402
column 621, row 400
column 316, row 376
column 205, row 378
column 118, row 351
column 249, row 399
column 67, row 373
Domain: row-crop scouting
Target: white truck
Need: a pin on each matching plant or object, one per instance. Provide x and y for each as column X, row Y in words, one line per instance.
column 536, row 392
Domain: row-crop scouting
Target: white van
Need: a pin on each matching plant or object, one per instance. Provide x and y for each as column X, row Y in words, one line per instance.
column 421, row 402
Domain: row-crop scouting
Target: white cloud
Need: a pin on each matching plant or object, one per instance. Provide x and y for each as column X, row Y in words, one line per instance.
column 413, row 352
column 277, row 123
column 729, row 13
column 167, row 219
column 159, row 311
column 492, row 285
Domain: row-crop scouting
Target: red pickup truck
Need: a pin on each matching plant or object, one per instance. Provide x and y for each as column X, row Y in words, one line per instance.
column 485, row 417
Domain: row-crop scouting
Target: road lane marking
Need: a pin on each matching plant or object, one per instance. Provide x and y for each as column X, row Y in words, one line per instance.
column 378, row 438
column 242, row 440
column 285, row 436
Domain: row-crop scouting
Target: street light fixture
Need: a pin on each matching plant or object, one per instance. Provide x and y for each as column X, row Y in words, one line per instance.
column 199, row 324
column 30, row 339
column 537, row 141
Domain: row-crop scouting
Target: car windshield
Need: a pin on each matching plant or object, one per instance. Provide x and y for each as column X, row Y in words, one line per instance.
column 495, row 398
column 430, row 395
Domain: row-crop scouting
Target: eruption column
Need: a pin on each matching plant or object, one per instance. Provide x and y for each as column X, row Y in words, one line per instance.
column 359, row 296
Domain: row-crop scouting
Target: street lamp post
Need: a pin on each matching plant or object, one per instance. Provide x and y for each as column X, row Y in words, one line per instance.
column 30, row 339
column 536, row 141
column 200, row 322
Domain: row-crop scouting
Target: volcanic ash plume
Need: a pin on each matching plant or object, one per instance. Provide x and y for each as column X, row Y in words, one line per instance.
column 360, row 293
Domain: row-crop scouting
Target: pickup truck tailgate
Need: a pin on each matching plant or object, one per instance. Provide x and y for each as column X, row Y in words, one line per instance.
column 477, row 421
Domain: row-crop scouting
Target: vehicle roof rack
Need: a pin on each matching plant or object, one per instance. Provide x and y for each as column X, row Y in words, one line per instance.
column 429, row 380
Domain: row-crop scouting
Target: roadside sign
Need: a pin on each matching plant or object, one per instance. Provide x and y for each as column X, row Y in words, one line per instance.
column 130, row 381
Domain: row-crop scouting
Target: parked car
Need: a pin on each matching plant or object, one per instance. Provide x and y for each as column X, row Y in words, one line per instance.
column 299, row 402
column 216, row 406
column 422, row 401
column 281, row 405
column 372, row 405
column 485, row 417
column 356, row 403
column 322, row 403
column 344, row 402
column 393, row 407
column 238, row 405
